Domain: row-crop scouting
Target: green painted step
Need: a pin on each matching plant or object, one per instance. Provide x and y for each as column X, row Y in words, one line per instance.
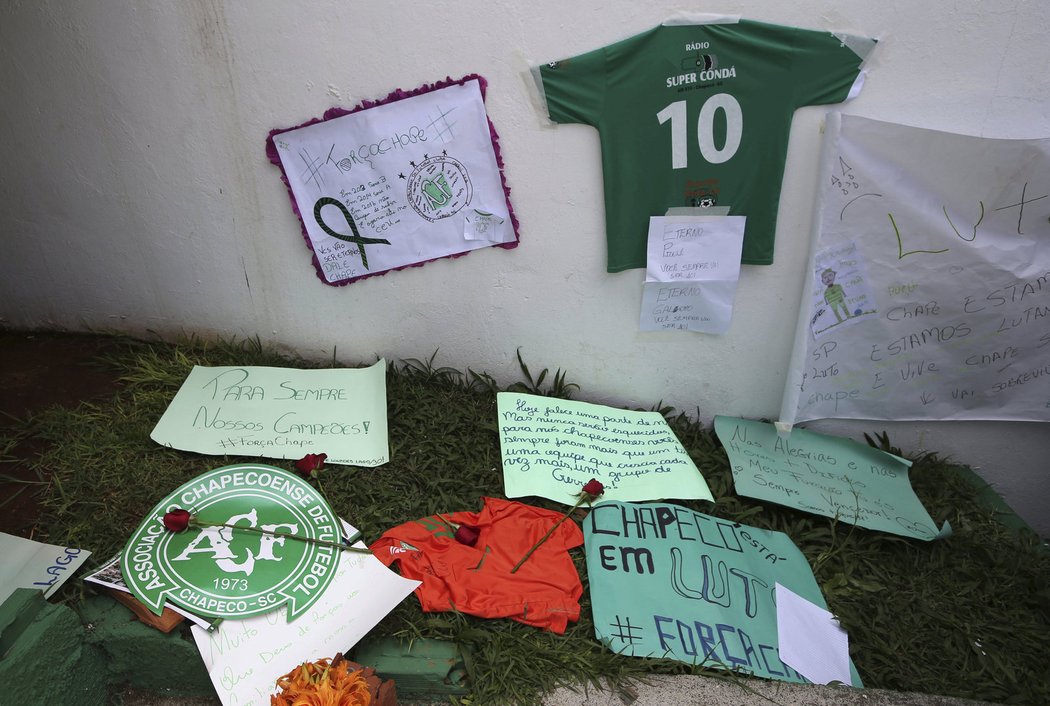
column 430, row 668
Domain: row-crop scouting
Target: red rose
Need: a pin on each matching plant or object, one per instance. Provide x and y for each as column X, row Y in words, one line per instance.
column 588, row 494
column 177, row 520
column 309, row 464
column 593, row 487
column 467, row 535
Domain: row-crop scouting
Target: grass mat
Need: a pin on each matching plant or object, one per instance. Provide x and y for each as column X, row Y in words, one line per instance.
column 967, row 617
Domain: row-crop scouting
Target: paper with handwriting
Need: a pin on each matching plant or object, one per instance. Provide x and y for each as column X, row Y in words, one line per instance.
column 693, row 265
column 31, row 564
column 668, row 582
column 927, row 295
column 825, row 475
column 552, row 447
column 397, row 182
column 281, row 413
column 245, row 657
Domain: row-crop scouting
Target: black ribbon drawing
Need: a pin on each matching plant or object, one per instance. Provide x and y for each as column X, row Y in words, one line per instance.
column 355, row 238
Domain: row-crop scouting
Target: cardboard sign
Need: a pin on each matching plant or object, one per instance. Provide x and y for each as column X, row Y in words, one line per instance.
column 245, row 657
column 826, row 475
column 29, row 564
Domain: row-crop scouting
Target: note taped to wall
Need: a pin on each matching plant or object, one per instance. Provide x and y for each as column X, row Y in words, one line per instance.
column 397, row 182
column 927, row 294
column 693, row 265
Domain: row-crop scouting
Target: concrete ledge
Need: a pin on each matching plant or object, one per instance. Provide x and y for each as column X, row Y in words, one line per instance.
column 687, row 689
column 47, row 660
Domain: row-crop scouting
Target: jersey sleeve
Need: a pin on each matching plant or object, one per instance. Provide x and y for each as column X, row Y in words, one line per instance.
column 826, row 65
column 574, row 89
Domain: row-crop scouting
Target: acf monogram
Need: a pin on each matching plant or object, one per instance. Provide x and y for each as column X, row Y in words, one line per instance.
column 233, row 561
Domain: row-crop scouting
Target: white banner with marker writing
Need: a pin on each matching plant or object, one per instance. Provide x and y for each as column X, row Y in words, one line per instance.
column 927, row 294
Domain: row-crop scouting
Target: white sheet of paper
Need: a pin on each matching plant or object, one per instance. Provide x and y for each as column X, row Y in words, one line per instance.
column 811, row 641
column 29, row 564
column 693, row 265
column 281, row 413
column 245, row 657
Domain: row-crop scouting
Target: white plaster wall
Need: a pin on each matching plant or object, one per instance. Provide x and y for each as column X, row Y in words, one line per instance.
column 135, row 194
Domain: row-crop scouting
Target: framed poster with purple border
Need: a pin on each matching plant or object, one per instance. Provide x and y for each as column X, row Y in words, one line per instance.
column 398, row 182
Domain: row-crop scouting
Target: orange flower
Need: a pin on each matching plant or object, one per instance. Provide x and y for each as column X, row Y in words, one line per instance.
column 323, row 683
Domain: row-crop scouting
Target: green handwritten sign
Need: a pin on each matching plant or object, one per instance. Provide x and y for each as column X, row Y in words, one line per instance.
column 551, row 447
column 670, row 582
column 826, row 475
column 281, row 413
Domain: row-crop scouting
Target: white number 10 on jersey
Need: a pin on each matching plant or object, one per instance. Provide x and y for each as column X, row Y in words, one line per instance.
column 705, row 129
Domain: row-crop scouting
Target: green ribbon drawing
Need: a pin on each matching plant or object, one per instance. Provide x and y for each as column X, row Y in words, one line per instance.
column 355, row 238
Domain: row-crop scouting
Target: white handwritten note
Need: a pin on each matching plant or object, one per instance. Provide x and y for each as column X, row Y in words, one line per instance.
column 692, row 272
column 245, row 657
column 29, row 564
column 928, row 292
column 552, row 447
column 281, row 413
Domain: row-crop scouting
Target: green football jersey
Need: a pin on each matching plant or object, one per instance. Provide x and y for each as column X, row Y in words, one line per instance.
column 698, row 115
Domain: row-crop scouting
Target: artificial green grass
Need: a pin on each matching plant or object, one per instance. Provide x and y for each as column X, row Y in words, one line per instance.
column 968, row 616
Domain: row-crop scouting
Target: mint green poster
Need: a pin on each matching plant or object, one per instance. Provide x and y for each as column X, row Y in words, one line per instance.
column 667, row 581
column 281, row 413
column 551, row 447
column 826, row 475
